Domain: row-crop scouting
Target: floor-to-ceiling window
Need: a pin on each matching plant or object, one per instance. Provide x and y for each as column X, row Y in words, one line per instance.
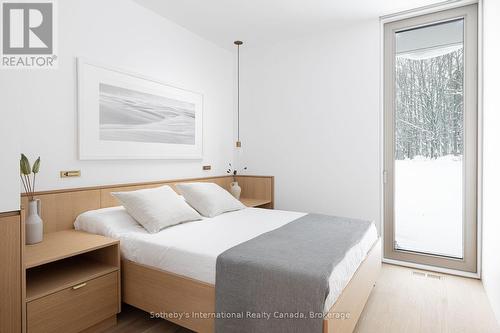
column 431, row 139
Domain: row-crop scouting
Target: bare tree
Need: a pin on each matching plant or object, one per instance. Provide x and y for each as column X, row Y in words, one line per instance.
column 429, row 106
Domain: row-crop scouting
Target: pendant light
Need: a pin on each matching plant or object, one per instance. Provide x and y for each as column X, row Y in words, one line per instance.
column 238, row 43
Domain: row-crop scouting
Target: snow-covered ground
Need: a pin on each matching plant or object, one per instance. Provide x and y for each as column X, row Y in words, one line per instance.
column 428, row 205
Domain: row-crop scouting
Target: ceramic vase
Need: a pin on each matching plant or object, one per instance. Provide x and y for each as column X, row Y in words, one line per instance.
column 235, row 190
column 34, row 224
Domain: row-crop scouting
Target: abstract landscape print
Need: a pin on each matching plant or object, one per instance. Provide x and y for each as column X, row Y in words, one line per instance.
column 122, row 115
column 135, row 116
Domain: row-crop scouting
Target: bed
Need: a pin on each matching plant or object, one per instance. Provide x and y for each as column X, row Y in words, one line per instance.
column 188, row 254
column 179, row 277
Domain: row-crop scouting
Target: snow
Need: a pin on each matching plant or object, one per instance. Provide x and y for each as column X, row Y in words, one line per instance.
column 428, row 205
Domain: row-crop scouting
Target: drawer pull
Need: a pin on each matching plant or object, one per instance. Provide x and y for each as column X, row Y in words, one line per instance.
column 78, row 286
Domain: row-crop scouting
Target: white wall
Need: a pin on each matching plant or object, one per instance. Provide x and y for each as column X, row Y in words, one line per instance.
column 127, row 36
column 310, row 116
column 491, row 176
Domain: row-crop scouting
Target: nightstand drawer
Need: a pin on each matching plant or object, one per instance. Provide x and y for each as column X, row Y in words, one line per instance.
column 75, row 308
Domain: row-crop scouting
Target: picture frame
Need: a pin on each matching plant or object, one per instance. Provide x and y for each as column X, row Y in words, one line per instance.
column 122, row 115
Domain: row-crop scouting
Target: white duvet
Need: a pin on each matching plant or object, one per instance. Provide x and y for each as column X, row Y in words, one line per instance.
column 191, row 249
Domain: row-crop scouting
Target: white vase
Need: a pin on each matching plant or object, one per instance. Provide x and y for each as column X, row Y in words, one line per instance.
column 34, row 224
column 235, row 190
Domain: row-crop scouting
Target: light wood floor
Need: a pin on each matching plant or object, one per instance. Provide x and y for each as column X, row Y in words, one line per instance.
column 412, row 301
column 404, row 301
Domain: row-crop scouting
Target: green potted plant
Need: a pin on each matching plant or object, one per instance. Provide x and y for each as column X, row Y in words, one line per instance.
column 33, row 222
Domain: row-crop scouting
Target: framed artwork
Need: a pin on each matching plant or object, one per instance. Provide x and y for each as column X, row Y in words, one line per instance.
column 128, row 116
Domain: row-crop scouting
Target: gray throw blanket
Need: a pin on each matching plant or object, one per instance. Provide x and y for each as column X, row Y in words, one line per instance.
column 278, row 281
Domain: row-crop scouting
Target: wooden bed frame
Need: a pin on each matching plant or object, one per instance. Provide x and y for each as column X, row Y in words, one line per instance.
column 161, row 292
column 165, row 293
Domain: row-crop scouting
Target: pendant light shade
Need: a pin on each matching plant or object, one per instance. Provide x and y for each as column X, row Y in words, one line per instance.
column 238, row 43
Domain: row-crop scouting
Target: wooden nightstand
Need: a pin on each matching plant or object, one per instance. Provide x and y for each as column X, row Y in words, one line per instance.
column 260, row 203
column 72, row 283
column 257, row 191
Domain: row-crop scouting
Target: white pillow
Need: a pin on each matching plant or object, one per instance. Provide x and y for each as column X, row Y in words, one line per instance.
column 157, row 208
column 209, row 199
column 110, row 222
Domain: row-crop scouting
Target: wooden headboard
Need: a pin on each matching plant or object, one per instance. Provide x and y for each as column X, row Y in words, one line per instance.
column 61, row 207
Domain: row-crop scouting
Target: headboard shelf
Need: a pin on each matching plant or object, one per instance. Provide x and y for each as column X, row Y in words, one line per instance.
column 61, row 207
column 156, row 182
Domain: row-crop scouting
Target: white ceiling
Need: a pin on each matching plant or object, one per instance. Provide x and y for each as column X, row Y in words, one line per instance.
column 264, row 21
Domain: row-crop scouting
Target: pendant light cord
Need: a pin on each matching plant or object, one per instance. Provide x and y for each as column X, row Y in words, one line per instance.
column 238, row 75
column 238, row 43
